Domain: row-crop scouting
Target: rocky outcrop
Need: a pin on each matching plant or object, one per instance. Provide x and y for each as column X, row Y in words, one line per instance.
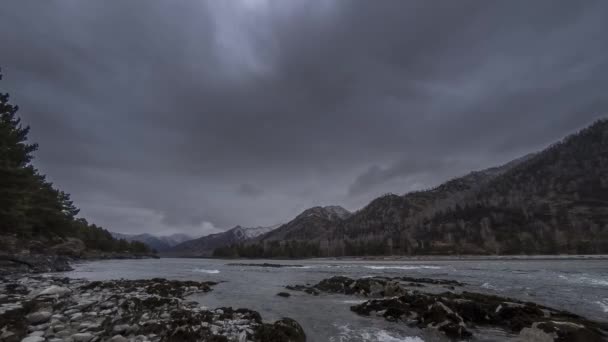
column 72, row 247
column 57, row 309
column 371, row 286
column 457, row 315
column 18, row 256
column 33, row 263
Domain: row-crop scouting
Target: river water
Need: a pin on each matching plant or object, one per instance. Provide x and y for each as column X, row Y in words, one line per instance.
column 579, row 285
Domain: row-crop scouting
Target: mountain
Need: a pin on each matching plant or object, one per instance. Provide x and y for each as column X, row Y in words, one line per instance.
column 158, row 243
column 554, row 201
column 204, row 246
column 310, row 224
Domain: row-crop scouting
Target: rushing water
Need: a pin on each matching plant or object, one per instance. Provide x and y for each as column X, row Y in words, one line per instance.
column 578, row 285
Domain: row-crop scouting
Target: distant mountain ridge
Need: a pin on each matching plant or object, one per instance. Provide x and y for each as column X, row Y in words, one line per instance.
column 204, row 246
column 159, row 243
column 554, row 201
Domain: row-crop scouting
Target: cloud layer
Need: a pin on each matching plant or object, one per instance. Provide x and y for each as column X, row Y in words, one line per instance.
column 197, row 116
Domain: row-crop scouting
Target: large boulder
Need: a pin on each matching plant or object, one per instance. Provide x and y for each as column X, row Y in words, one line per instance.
column 283, row 330
column 72, row 247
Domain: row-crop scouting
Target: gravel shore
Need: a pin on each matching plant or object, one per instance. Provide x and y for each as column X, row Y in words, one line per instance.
column 41, row 308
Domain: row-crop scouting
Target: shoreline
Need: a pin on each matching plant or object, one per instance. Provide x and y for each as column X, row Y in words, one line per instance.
column 417, row 258
column 37, row 308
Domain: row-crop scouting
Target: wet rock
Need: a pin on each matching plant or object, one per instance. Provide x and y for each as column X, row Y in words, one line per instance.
column 569, row 331
column 535, row 335
column 370, row 287
column 307, row 289
column 454, row 314
column 283, row 294
column 284, row 330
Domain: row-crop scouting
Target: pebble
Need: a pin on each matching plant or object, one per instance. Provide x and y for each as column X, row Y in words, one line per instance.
column 119, row 338
column 82, row 337
column 39, row 317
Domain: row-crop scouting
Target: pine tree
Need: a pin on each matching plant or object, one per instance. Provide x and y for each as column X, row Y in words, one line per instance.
column 30, row 206
column 16, row 173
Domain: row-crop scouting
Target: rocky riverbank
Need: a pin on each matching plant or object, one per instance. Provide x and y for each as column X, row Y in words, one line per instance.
column 18, row 256
column 37, row 308
column 458, row 313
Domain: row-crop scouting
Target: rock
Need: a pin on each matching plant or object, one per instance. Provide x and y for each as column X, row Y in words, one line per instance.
column 33, row 339
column 76, row 316
column 55, row 290
column 534, row 335
column 118, row 338
column 38, row 317
column 72, row 247
column 284, row 330
column 569, row 331
column 283, row 294
column 82, row 337
column 453, row 314
column 140, row 310
column 121, row 328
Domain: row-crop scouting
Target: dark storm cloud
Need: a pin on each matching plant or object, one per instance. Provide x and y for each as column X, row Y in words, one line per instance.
column 186, row 116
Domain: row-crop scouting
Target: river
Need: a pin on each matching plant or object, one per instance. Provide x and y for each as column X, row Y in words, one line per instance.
column 579, row 285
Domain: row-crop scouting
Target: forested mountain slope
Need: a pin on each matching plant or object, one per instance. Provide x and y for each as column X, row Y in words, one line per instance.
column 204, row 246
column 554, row 201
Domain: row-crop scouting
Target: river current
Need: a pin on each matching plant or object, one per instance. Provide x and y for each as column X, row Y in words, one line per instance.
column 579, row 285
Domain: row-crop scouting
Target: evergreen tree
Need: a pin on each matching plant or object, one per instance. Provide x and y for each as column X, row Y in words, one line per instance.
column 30, row 206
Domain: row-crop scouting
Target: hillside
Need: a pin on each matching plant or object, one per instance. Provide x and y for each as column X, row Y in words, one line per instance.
column 554, row 201
column 204, row 246
column 310, row 224
column 157, row 243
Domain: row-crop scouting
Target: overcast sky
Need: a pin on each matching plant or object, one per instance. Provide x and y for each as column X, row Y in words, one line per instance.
column 194, row 116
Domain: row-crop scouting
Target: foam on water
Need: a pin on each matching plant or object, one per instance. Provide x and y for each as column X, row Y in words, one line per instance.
column 201, row 270
column 348, row 334
column 603, row 304
column 409, row 267
column 490, row 287
column 586, row 280
column 354, row 301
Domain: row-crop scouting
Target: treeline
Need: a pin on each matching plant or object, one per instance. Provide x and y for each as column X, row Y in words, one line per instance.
column 305, row 249
column 32, row 207
column 274, row 249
